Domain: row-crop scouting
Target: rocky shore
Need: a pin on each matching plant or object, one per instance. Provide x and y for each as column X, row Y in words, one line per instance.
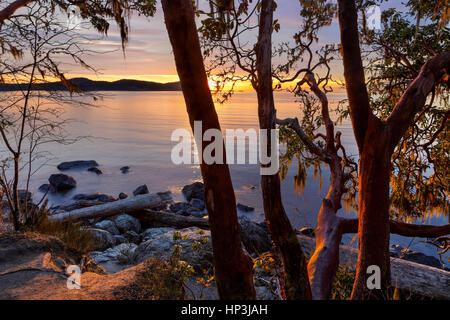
column 125, row 241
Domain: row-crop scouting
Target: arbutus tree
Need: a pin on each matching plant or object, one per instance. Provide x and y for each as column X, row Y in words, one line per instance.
column 377, row 140
column 232, row 267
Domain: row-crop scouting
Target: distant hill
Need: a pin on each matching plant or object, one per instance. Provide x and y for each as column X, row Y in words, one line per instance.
column 91, row 85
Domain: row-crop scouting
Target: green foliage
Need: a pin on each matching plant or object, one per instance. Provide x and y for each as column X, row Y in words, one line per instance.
column 420, row 180
column 343, row 284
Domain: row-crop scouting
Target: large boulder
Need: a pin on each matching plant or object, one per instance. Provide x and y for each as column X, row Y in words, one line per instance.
column 102, row 239
column 78, row 164
column 125, row 222
column 195, row 243
column 107, row 225
column 62, row 182
column 194, row 190
column 244, row 208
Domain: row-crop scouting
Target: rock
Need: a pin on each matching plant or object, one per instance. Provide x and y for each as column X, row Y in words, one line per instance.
column 125, row 222
column 165, row 196
column 95, row 170
column 244, row 208
column 197, row 203
column 162, row 246
column 120, row 239
column 61, row 182
column 194, row 190
column 103, row 239
column 78, row 164
column 46, row 188
column 141, row 190
column 25, row 196
column 152, row 233
column 178, row 206
column 94, row 197
column 122, row 196
column 414, row 256
column 108, row 225
column 309, row 232
column 116, row 258
column 132, row 236
column 195, row 212
column 125, row 169
column 254, row 236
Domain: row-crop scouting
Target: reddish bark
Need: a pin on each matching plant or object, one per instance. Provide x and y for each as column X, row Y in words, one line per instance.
column 376, row 141
column 8, row 11
column 282, row 233
column 233, row 268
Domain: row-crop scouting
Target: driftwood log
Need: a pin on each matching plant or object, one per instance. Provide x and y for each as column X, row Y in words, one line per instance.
column 407, row 275
column 111, row 208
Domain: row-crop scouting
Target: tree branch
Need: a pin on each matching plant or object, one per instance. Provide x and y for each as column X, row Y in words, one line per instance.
column 353, row 70
column 7, row 12
column 434, row 71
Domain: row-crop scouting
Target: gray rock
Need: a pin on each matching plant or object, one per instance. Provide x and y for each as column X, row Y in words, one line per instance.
column 107, row 225
column 194, row 190
column 152, row 233
column 125, row 222
column 95, row 170
column 25, row 196
column 244, row 208
column 61, row 182
column 122, row 196
column 103, row 239
column 46, row 187
column 162, row 246
column 309, row 232
column 78, row 164
column 141, row 190
column 132, row 236
column 95, row 197
column 116, row 258
column 125, row 169
column 414, row 256
column 120, row 239
column 197, row 203
column 195, row 212
column 177, row 206
column 254, row 236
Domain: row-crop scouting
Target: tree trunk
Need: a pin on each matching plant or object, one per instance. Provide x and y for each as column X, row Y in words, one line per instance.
column 233, row 268
column 373, row 229
column 283, row 235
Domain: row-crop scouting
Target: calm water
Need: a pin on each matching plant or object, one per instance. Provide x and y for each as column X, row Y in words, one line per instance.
column 134, row 129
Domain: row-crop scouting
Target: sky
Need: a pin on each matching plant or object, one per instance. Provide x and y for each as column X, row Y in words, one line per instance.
column 148, row 55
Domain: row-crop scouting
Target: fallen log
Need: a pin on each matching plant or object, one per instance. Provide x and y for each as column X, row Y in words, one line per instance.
column 406, row 275
column 111, row 208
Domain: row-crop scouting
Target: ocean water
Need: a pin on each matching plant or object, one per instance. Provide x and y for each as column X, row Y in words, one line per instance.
column 134, row 129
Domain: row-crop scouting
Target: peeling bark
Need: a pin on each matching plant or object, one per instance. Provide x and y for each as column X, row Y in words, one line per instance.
column 283, row 235
column 233, row 268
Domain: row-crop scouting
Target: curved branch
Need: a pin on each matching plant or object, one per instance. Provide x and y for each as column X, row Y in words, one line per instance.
column 7, row 12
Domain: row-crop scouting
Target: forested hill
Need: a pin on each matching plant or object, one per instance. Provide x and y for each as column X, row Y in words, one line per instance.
column 90, row 85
